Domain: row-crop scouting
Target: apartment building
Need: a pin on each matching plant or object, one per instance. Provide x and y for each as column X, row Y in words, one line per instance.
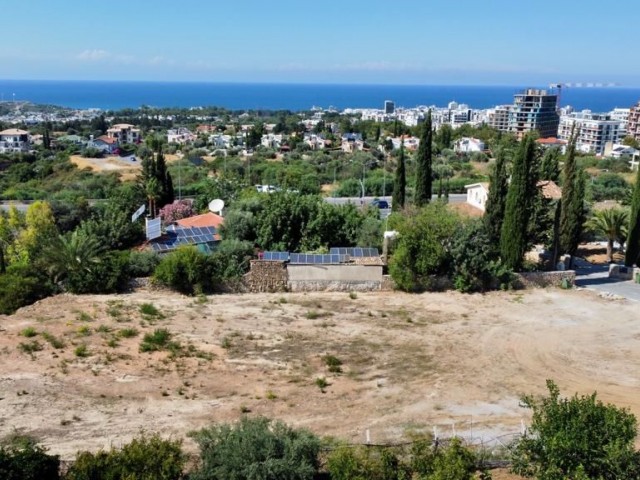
column 594, row 130
column 633, row 127
column 532, row 110
column 124, row 133
column 498, row 117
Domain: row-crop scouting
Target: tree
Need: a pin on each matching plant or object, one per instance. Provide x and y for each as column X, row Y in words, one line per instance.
column 424, row 161
column 572, row 203
column 611, row 223
column 177, row 210
column 39, row 229
column 577, row 437
column 399, row 183
column 256, row 449
column 518, row 206
column 423, row 247
column 497, row 198
column 550, row 166
column 71, row 254
column 632, row 256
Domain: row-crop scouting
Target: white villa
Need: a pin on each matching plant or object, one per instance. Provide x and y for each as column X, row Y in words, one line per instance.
column 477, row 194
column 14, row 140
column 468, row 145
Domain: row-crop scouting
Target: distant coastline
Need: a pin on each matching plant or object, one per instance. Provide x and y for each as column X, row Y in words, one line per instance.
column 115, row 95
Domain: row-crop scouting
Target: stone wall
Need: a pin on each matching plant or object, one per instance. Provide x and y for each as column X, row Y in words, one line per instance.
column 544, row 279
column 333, row 286
column 266, row 276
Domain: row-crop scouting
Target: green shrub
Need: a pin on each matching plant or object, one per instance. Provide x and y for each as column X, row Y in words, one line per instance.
column 349, row 463
column 333, row 363
column 144, row 458
column 29, row 332
column 21, row 286
column 186, row 270
column 143, row 264
column 22, row 459
column 150, row 310
column 256, row 448
column 30, row 347
column 81, row 351
column 127, row 333
column 109, row 275
column 53, row 340
column 158, row 340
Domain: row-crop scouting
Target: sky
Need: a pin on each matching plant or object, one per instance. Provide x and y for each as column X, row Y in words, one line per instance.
column 456, row 42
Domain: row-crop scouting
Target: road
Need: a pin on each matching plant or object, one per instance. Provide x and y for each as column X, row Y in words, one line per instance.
column 596, row 277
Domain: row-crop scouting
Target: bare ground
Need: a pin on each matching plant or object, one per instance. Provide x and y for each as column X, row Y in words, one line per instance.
column 410, row 363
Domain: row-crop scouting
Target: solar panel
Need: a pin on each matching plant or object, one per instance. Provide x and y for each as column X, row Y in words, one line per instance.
column 278, row 256
column 356, row 251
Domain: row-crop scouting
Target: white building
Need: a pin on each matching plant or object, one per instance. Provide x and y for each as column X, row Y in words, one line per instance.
column 180, row 135
column 270, row 140
column 315, row 141
column 468, row 145
column 594, row 130
column 477, row 194
column 410, row 143
column 14, row 140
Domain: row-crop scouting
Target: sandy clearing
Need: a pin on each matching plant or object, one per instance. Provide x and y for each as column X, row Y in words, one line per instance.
column 411, row 362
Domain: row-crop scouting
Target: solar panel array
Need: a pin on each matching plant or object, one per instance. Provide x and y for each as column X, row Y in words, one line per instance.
column 178, row 236
column 355, row 251
column 279, row 256
column 316, row 259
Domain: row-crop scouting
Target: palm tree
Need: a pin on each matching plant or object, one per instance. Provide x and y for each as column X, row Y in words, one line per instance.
column 72, row 253
column 612, row 223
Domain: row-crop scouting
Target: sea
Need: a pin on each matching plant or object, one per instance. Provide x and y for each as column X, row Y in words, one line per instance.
column 115, row 95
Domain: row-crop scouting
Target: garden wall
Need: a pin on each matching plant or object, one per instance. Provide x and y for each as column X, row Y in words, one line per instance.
column 545, row 279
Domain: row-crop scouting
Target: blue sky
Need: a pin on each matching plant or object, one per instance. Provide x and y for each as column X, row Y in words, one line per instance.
column 499, row 42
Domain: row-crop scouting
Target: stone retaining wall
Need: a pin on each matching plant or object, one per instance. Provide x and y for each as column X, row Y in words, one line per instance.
column 544, row 279
column 266, row 276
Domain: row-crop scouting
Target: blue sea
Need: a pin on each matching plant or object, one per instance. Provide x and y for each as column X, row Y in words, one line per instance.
column 112, row 95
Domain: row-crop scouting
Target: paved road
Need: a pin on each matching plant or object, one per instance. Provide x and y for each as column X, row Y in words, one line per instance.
column 596, row 277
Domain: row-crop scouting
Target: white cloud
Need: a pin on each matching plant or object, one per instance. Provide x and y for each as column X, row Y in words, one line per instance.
column 93, row 55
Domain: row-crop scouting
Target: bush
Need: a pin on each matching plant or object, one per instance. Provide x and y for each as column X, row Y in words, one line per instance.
column 256, row 448
column 109, row 275
column 578, row 437
column 145, row 458
column 21, row 286
column 23, row 459
column 230, row 260
column 185, row 270
column 158, row 340
column 142, row 264
column 347, row 463
column 423, row 246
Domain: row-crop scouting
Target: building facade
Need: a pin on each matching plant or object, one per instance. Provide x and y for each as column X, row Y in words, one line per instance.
column 633, row 127
column 594, row 130
column 124, row 133
column 14, row 140
column 536, row 110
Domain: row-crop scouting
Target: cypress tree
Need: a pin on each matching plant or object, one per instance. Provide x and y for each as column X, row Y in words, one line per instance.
column 399, row 183
column 572, row 208
column 514, row 232
column 632, row 256
column 550, row 167
column 497, row 198
column 424, row 164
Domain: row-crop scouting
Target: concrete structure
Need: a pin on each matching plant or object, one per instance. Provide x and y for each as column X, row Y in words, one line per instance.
column 553, row 142
column 410, row 143
column 270, row 140
column 105, row 143
column 14, row 140
column 477, row 194
column 534, row 110
column 594, row 130
column 352, row 142
column 468, row 145
column 633, row 127
column 334, row 277
column 180, row 135
column 622, row 115
column 124, row 133
column 498, row 117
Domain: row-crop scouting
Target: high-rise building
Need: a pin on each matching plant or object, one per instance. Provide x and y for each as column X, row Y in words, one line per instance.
column 534, row 110
column 633, row 127
column 389, row 107
column 498, row 117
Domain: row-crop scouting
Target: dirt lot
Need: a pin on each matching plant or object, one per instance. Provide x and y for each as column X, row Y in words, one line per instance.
column 128, row 170
column 410, row 362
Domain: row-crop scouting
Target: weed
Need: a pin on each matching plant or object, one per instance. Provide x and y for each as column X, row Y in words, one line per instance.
column 113, row 342
column 271, row 395
column 84, row 317
column 226, row 343
column 81, row 351
column 201, row 299
column 312, row 315
column 150, row 310
column 103, row 329
column 353, row 295
column 282, row 300
column 333, row 363
column 158, row 340
column 127, row 332
column 322, row 383
column 244, row 409
column 30, row 347
column 84, row 331
column 29, row 332
column 53, row 340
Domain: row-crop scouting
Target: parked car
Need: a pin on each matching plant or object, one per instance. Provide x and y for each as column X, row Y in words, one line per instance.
column 381, row 204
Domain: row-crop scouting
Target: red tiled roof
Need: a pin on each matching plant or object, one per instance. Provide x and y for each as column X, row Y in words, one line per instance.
column 105, row 139
column 551, row 141
column 208, row 219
